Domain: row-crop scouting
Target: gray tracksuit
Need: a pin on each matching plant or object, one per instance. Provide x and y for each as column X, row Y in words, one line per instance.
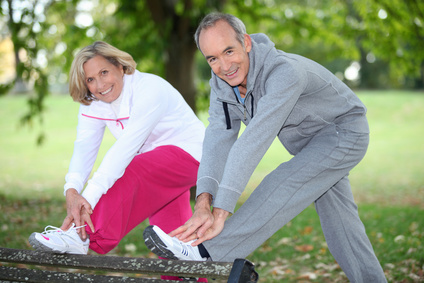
column 322, row 123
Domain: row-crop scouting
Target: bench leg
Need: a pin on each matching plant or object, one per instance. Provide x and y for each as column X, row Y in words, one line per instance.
column 243, row 271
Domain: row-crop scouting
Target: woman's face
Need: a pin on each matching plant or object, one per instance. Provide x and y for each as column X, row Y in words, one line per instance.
column 103, row 79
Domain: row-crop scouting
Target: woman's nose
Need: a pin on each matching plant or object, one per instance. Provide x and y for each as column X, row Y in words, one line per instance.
column 99, row 84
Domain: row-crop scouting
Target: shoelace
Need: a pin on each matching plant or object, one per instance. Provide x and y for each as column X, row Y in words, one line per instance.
column 52, row 229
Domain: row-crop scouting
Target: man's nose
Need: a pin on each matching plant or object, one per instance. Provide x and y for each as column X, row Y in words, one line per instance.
column 225, row 65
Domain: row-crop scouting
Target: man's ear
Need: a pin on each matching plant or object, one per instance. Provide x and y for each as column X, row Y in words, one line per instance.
column 247, row 43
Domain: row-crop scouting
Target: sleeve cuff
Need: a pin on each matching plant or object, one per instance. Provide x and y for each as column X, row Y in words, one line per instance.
column 92, row 194
column 70, row 185
column 226, row 199
column 207, row 185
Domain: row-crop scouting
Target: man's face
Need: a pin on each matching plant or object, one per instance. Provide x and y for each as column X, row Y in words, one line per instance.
column 227, row 57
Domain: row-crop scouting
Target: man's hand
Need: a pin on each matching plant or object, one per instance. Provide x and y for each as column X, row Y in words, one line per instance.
column 201, row 220
column 219, row 216
column 78, row 212
column 204, row 224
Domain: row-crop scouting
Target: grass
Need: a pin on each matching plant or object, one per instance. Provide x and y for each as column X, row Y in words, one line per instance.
column 388, row 186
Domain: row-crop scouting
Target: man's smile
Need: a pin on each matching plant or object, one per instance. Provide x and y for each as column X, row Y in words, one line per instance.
column 232, row 73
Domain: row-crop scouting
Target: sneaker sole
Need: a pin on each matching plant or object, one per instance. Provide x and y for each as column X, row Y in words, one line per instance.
column 155, row 244
column 39, row 246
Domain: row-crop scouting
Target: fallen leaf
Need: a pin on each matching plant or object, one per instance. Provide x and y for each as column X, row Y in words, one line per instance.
column 284, row 241
column 304, row 248
column 308, row 275
column 323, row 250
column 307, row 230
column 277, row 271
column 399, row 239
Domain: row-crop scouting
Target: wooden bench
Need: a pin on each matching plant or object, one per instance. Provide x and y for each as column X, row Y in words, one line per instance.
column 96, row 268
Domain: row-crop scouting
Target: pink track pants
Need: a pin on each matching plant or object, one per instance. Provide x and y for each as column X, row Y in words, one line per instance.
column 155, row 185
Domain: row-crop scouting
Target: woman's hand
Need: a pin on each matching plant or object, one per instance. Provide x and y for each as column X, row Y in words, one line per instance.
column 78, row 212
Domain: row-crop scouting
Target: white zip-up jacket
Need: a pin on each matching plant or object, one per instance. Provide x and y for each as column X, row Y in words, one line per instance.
column 152, row 113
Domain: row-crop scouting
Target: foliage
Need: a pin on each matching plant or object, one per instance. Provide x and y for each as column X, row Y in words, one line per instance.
column 158, row 34
column 34, row 28
column 24, row 25
column 384, row 37
column 394, row 31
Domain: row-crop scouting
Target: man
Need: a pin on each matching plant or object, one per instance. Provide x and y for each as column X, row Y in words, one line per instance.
column 316, row 117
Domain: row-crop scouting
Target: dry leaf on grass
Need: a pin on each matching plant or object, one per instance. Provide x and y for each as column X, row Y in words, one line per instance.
column 304, row 248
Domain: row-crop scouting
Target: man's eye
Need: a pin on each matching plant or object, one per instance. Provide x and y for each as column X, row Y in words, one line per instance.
column 211, row 60
column 104, row 72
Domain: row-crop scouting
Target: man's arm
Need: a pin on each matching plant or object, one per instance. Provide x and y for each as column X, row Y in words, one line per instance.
column 217, row 143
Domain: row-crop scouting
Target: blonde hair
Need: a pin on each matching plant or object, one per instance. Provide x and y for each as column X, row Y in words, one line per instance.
column 77, row 86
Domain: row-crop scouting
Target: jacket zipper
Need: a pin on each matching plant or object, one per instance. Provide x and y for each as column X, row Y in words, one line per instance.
column 236, row 103
column 244, row 105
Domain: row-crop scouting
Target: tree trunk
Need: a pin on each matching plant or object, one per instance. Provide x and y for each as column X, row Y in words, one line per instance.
column 180, row 67
column 180, row 72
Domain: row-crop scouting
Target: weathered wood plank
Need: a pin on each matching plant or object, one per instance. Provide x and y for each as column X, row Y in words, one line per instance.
column 15, row 274
column 210, row 269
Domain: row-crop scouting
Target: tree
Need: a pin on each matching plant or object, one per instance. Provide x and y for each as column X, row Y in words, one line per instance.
column 386, row 37
column 41, row 32
column 24, row 23
column 394, row 32
column 159, row 34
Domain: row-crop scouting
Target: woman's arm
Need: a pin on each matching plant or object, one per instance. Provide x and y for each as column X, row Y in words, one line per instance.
column 89, row 136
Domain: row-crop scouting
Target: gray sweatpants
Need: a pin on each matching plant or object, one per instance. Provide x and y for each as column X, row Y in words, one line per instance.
column 319, row 173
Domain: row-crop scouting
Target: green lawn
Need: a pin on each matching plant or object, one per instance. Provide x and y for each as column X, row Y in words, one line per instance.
column 388, row 186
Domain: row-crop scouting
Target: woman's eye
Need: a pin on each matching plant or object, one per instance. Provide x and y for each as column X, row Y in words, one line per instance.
column 104, row 72
column 89, row 80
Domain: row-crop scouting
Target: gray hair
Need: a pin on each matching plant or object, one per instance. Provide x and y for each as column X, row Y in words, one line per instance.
column 211, row 19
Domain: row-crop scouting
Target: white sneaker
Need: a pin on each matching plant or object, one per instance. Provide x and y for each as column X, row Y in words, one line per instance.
column 56, row 240
column 170, row 247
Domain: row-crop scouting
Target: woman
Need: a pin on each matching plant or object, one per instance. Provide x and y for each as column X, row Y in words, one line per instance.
column 149, row 170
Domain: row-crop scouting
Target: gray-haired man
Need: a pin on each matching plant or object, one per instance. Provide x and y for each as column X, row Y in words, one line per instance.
column 316, row 117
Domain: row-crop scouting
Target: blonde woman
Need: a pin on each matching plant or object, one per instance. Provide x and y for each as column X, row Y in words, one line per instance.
column 148, row 171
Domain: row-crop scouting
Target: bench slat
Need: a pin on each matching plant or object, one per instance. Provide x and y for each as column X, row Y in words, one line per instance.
column 15, row 274
column 209, row 269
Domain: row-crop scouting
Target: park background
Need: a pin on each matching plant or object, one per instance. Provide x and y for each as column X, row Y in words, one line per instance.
column 374, row 46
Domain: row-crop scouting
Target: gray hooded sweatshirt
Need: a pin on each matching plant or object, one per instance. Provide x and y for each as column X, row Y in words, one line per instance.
column 289, row 97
